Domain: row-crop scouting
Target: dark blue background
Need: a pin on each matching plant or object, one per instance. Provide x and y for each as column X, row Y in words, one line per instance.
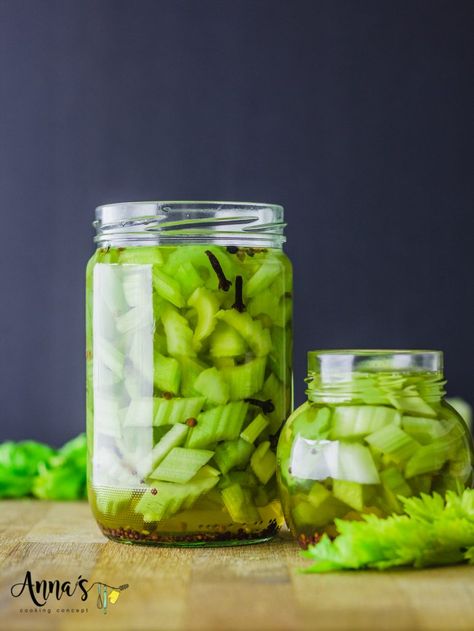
column 356, row 116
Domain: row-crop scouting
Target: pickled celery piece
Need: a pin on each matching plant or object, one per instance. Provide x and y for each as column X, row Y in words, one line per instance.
column 177, row 410
column 239, row 504
column 191, row 368
column 179, row 336
column 223, row 422
column 428, row 458
column 245, row 479
column 165, row 499
column 207, row 305
column 232, row 454
column 262, row 278
column 188, row 278
column 144, row 255
column 263, row 462
column 112, row 504
column 394, row 442
column 254, row 429
column 266, row 302
column 394, row 484
column 413, row 404
column 423, row 430
column 305, row 514
column 354, row 463
column 174, row 437
column 167, row 287
column 252, row 332
column 181, row 464
column 246, row 379
column 212, row 385
column 226, row 342
column 280, row 396
column 351, row 493
column 359, row 420
column 312, row 422
column 167, row 373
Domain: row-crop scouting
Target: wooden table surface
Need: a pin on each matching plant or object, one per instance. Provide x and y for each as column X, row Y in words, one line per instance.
column 247, row 587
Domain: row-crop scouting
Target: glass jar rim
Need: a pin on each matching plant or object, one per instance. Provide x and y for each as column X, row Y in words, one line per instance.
column 224, row 222
column 345, row 361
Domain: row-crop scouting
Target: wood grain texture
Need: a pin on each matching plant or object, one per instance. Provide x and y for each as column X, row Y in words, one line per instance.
column 216, row 589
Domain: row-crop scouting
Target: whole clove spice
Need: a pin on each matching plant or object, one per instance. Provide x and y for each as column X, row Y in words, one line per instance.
column 239, row 301
column 224, row 283
column 267, row 406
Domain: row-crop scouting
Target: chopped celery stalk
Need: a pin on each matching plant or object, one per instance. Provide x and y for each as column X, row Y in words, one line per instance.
column 351, row 493
column 167, row 373
column 246, row 379
column 394, row 442
column 135, row 318
column 266, row 303
column 354, row 463
column 167, row 287
column 424, row 430
column 109, row 355
column 179, row 335
column 262, row 278
column 223, row 422
column 428, row 458
column 139, row 413
column 251, row 330
column 177, row 410
column 280, row 353
column 190, row 370
column 263, row 462
column 226, row 342
column 232, row 454
column 180, row 465
column 413, row 404
column 359, row 420
column 144, row 255
column 318, row 494
column 312, row 422
column 254, row 429
column 112, row 503
column 246, row 479
column 224, row 362
column 207, row 305
column 165, row 499
column 274, row 390
column 212, row 385
column 392, row 479
column 189, row 278
column 305, row 514
column 239, row 504
column 174, row 437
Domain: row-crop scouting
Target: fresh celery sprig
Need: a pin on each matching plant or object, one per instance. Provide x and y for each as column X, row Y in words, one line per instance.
column 32, row 468
column 433, row 531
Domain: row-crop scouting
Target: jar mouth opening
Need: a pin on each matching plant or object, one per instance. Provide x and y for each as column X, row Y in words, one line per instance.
column 158, row 221
column 347, row 361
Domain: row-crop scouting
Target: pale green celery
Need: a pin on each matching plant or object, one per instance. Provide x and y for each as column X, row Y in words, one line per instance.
column 211, row 383
column 167, row 373
column 174, row 437
column 263, row 462
column 181, row 464
column 176, row 410
column 254, row 429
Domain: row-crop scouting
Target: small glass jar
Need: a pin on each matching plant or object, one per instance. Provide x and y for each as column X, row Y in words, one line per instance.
column 189, row 310
column 375, row 428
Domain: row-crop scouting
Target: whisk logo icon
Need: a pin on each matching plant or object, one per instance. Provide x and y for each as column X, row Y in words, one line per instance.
column 108, row 595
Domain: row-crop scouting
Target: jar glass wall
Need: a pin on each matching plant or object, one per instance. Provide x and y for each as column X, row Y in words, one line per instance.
column 189, row 380
column 375, row 429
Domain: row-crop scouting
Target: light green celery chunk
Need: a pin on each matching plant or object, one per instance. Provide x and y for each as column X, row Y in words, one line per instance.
column 246, row 479
column 196, row 256
column 167, row 373
column 135, row 318
column 428, row 458
column 262, row 278
column 394, row 442
column 109, row 355
column 265, row 302
column 246, row 379
column 239, row 504
column 167, row 287
column 413, row 404
column 212, row 385
column 143, row 255
column 312, row 423
column 189, row 278
column 181, row 464
column 359, row 420
column 110, row 504
column 224, row 362
column 232, row 454
column 305, row 514
column 352, row 462
column 191, row 368
column 254, row 429
column 318, row 494
column 280, row 353
column 176, row 410
column 353, row 494
column 165, row 499
column 226, row 342
column 280, row 396
column 179, row 335
column 252, row 331
column 223, row 422
column 174, row 437
column 424, row 430
column 207, row 305
column 263, row 462
column 393, row 479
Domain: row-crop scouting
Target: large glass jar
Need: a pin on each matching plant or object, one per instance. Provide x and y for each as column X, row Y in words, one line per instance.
column 375, row 429
column 189, row 378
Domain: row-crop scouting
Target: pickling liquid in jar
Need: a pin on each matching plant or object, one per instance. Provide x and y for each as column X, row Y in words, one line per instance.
column 188, row 372
column 375, row 429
